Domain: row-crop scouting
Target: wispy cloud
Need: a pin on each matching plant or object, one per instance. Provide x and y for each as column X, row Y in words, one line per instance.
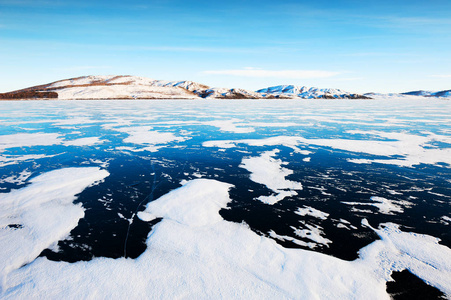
column 441, row 76
column 292, row 74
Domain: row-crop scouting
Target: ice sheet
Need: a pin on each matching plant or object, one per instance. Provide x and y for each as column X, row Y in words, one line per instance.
column 214, row 258
column 36, row 216
column 413, row 149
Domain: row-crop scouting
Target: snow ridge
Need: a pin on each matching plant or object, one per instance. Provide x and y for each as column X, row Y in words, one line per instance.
column 292, row 91
column 135, row 87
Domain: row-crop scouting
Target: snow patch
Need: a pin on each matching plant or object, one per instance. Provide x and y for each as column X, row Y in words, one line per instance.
column 310, row 211
column 267, row 170
column 28, row 140
column 145, row 135
column 17, row 179
column 413, row 149
column 219, row 259
column 88, row 141
column 313, row 233
column 6, row 160
column 36, row 216
column 192, row 213
column 385, row 206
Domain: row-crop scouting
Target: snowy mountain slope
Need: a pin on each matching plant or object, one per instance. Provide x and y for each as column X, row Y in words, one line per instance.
column 414, row 95
column 304, row 92
column 132, row 87
column 223, row 93
column 429, row 93
column 121, row 87
column 393, row 96
column 135, row 87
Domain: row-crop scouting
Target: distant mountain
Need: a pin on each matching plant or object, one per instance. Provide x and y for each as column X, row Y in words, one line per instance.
column 411, row 95
column 292, row 91
column 429, row 93
column 126, row 87
column 134, row 87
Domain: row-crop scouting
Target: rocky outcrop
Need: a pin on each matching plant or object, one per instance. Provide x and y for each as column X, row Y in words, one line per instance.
column 28, row 95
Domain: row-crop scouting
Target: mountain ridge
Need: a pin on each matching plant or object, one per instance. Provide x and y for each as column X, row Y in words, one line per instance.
column 135, row 87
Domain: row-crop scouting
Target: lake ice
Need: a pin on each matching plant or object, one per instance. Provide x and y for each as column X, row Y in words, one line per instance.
column 232, row 199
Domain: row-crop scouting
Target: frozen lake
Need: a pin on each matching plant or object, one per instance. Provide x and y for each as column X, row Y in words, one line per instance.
column 233, row 199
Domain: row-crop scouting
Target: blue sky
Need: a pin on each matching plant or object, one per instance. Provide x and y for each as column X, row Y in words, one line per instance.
column 359, row 46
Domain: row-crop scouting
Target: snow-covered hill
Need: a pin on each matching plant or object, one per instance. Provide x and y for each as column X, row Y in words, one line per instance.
column 122, row 87
column 415, row 95
column 292, row 91
column 134, row 87
column 429, row 93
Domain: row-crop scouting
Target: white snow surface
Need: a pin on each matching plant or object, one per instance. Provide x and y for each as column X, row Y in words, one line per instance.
column 414, row 149
column 313, row 233
column 119, row 87
column 313, row 212
column 36, row 216
column 214, row 259
column 267, row 170
column 6, row 160
column 229, row 126
column 123, row 91
column 192, row 214
column 385, row 206
column 28, row 140
column 41, row 139
column 146, row 135
column 88, row 141
column 17, row 179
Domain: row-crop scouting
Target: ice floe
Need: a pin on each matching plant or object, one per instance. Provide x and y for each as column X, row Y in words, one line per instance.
column 213, row 258
column 412, row 149
column 28, row 140
column 385, row 206
column 36, row 216
column 313, row 212
column 312, row 232
column 17, row 179
column 88, row 141
column 229, row 126
column 43, row 139
column 6, row 160
column 267, row 170
column 152, row 139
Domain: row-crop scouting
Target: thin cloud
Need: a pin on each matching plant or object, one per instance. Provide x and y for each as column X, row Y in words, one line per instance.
column 292, row 74
column 441, row 76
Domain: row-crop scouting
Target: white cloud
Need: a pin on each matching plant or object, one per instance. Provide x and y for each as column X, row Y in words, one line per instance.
column 441, row 76
column 293, row 74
